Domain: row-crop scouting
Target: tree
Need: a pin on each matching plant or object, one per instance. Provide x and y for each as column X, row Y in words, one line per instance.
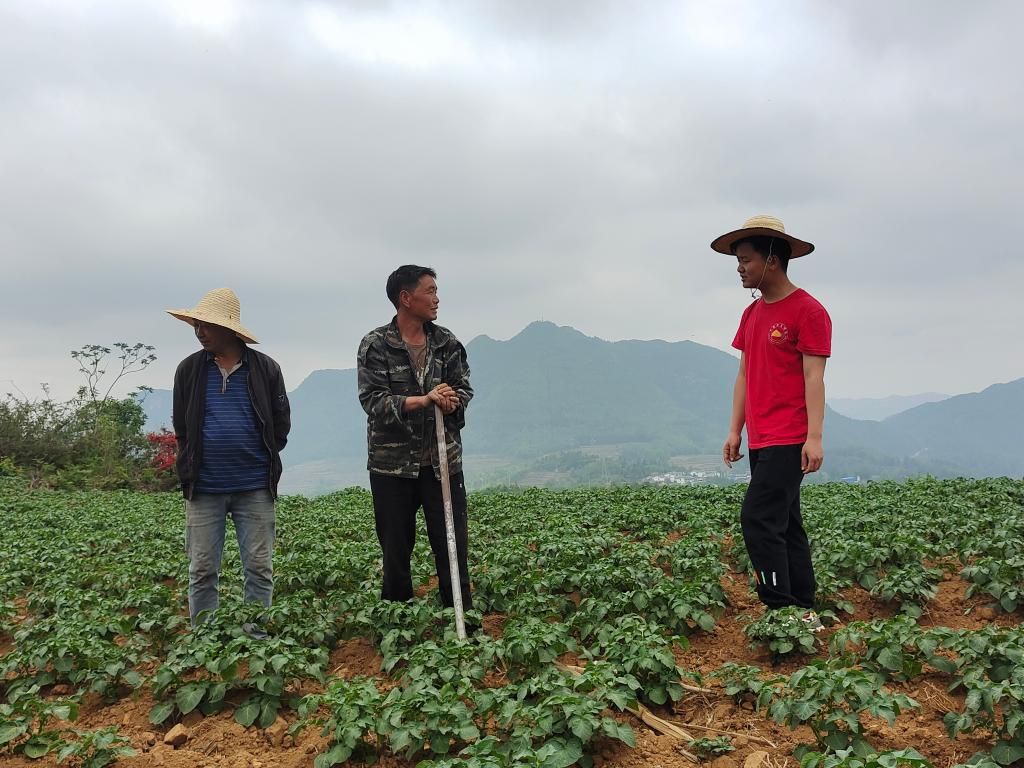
column 134, row 359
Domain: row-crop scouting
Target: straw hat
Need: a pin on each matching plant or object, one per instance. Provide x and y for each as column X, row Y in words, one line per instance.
column 219, row 307
column 768, row 226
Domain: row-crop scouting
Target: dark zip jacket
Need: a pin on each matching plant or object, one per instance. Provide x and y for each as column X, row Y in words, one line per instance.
column 269, row 401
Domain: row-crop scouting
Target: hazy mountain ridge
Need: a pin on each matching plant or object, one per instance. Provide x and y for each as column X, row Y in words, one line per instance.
column 552, row 391
column 879, row 408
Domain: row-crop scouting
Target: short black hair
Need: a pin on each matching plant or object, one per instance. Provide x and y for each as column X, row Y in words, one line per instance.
column 406, row 278
column 764, row 245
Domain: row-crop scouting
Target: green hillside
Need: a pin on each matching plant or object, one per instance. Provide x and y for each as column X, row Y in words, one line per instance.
column 556, row 407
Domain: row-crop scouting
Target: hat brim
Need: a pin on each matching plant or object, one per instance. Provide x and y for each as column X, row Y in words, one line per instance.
column 188, row 315
column 724, row 243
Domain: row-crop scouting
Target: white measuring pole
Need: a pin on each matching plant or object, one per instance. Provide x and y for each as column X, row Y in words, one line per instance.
column 449, row 524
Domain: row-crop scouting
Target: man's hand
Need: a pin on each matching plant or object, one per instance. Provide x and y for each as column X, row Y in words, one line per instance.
column 812, row 455
column 731, row 449
column 445, row 397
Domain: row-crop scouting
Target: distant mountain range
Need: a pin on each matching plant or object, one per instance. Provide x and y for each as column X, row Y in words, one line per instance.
column 878, row 408
column 553, row 405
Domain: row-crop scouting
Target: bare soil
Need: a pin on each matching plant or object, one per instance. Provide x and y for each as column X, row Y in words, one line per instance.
column 219, row 742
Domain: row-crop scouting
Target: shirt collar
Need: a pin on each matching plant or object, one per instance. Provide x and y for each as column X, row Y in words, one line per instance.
column 243, row 361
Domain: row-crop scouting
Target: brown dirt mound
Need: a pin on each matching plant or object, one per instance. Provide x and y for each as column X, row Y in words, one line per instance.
column 354, row 658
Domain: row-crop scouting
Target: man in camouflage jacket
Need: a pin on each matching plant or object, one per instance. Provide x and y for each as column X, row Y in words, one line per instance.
column 405, row 368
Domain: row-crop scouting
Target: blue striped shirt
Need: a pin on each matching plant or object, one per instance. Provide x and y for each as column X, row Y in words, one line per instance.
column 234, row 458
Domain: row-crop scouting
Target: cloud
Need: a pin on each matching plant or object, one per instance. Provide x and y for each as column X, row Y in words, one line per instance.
column 570, row 161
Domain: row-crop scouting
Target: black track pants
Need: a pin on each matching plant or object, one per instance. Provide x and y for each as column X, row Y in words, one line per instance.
column 773, row 531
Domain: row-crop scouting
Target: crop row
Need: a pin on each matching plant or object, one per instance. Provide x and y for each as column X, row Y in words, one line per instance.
column 93, row 599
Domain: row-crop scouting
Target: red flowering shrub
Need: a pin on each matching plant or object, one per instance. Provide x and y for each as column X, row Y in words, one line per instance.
column 164, row 446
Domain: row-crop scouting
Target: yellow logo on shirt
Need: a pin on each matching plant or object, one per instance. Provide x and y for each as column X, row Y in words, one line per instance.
column 778, row 333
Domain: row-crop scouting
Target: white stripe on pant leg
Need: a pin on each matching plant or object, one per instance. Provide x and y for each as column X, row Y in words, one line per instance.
column 774, row 582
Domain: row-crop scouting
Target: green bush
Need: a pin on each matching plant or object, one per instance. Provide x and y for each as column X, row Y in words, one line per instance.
column 92, row 440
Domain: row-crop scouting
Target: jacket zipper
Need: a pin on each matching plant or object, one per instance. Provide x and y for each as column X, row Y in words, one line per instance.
column 263, row 434
column 428, row 365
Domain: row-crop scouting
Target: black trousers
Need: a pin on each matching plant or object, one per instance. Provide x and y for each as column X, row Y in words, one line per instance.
column 773, row 530
column 395, row 503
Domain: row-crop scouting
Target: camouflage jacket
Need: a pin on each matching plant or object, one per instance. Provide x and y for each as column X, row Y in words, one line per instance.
column 395, row 440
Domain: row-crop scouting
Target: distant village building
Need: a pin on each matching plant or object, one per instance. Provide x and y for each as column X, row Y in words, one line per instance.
column 697, row 477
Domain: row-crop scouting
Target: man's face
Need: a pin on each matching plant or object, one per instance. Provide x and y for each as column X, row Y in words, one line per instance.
column 422, row 301
column 213, row 338
column 750, row 264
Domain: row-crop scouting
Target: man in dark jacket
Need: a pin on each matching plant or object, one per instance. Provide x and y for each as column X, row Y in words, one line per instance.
column 231, row 420
column 405, row 368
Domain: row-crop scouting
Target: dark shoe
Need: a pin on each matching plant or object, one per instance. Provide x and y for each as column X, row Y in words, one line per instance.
column 254, row 631
column 813, row 622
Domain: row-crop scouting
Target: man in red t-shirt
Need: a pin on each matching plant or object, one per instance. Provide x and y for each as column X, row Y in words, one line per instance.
column 784, row 338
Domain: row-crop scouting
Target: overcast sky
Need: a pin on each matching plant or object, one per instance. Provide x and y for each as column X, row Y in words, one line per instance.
column 566, row 161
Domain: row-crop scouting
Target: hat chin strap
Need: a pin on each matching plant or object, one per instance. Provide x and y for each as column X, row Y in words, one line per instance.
column 757, row 288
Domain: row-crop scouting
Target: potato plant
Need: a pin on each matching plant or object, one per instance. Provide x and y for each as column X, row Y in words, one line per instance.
column 589, row 596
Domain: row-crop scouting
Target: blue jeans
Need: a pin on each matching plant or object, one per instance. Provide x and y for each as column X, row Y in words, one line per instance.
column 205, row 520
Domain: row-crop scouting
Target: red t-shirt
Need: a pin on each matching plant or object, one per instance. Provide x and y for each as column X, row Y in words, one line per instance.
column 774, row 338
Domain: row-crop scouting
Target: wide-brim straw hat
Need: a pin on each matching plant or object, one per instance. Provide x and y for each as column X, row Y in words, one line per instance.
column 768, row 226
column 219, row 307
